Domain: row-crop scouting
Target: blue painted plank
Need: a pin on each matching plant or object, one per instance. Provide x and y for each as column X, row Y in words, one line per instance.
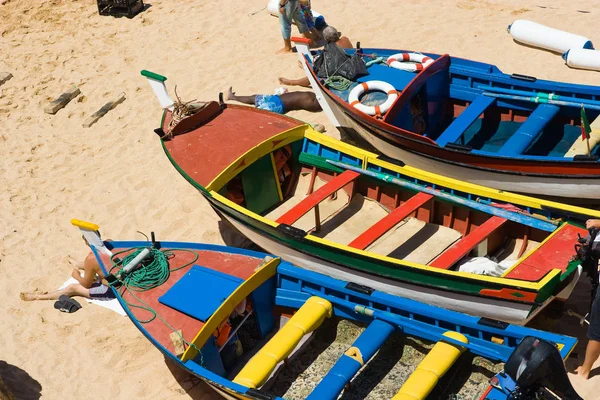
column 530, row 129
column 346, row 367
column 215, row 286
column 464, row 120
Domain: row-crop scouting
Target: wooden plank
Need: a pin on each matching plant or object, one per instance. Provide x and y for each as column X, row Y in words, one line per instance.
column 5, row 76
column 102, row 112
column 62, row 100
column 317, row 196
column 390, row 220
column 467, row 243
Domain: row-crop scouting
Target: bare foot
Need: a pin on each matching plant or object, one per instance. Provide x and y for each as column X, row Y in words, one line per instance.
column 300, row 65
column 28, row 296
column 582, row 372
column 284, row 50
column 285, row 81
column 230, row 94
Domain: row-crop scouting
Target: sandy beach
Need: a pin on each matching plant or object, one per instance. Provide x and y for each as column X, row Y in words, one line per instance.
column 116, row 174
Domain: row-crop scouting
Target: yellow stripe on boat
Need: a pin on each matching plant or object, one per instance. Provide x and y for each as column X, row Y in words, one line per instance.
column 224, row 311
column 242, row 210
column 482, row 278
column 251, row 156
column 85, row 225
column 429, row 371
column 308, row 318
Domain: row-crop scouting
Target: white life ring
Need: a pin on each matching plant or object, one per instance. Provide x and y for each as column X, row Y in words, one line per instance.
column 397, row 60
column 373, row 85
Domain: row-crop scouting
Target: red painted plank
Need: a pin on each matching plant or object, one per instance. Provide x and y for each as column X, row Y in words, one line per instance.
column 389, row 221
column 461, row 248
column 554, row 254
column 318, row 196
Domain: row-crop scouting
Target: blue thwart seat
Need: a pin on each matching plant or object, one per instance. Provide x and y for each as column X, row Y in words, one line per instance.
column 465, row 119
column 529, row 131
column 361, row 351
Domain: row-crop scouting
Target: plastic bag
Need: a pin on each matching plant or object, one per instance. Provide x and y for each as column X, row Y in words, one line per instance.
column 334, row 61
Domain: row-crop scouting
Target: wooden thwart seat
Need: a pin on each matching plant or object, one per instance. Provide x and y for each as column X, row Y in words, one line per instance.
column 429, row 371
column 464, row 246
column 308, row 318
column 317, row 196
column 389, row 221
column 465, row 119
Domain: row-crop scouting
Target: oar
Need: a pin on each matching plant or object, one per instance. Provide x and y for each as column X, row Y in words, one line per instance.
column 541, row 95
column 491, row 350
column 499, row 212
column 543, row 100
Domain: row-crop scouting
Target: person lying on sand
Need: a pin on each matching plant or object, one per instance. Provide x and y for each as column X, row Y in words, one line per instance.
column 280, row 104
column 91, row 285
column 592, row 351
column 331, row 35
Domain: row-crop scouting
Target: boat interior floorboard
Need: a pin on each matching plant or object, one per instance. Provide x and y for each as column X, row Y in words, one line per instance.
column 381, row 377
column 415, row 240
column 351, row 221
column 327, row 207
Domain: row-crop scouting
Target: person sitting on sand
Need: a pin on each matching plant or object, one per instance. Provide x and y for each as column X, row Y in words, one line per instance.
column 91, row 285
column 331, row 35
column 592, row 351
column 289, row 11
column 280, row 104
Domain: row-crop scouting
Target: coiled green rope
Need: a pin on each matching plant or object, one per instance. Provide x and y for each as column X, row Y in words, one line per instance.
column 151, row 275
column 338, row 82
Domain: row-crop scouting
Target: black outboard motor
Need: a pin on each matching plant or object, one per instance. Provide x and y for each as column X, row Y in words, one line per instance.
column 589, row 258
column 537, row 363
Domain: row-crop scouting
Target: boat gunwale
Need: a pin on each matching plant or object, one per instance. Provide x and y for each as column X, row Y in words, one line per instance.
column 395, row 131
column 312, row 135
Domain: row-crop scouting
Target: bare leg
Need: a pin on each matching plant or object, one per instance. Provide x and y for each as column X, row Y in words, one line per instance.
column 592, row 353
column 304, row 82
column 287, row 47
column 230, row 95
column 300, row 101
column 71, row 290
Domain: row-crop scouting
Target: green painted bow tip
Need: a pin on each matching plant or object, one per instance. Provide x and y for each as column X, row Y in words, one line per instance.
column 152, row 75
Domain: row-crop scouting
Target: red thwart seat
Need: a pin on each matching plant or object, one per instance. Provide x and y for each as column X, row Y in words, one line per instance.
column 464, row 246
column 390, row 220
column 318, row 196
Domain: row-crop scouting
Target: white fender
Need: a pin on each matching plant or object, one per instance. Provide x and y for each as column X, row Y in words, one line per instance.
column 544, row 37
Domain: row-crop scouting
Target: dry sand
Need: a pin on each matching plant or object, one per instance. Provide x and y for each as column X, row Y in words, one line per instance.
column 116, row 174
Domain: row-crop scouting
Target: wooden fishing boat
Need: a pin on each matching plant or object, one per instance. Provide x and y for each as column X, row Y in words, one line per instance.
column 333, row 208
column 251, row 325
column 470, row 121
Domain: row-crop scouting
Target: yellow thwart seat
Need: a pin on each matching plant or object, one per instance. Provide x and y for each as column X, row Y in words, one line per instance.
column 429, row 371
column 308, row 318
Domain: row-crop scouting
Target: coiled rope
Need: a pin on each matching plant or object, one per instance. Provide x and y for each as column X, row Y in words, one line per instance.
column 154, row 271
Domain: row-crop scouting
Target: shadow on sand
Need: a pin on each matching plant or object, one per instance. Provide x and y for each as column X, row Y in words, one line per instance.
column 18, row 383
column 193, row 386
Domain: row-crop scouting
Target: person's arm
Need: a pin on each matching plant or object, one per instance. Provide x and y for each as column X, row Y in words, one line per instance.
column 592, row 223
column 282, row 4
column 90, row 268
